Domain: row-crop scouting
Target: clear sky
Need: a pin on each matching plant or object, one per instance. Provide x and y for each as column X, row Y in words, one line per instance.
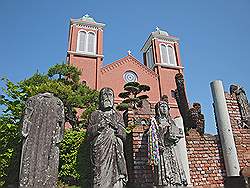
column 214, row 37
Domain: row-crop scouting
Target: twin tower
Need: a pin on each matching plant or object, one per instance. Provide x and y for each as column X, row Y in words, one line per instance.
column 161, row 62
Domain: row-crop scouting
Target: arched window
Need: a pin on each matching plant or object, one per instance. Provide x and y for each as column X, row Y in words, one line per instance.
column 86, row 42
column 81, row 41
column 167, row 55
column 164, row 54
column 91, row 42
column 171, row 55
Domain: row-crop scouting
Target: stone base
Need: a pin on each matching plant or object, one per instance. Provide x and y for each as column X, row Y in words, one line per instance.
column 236, row 182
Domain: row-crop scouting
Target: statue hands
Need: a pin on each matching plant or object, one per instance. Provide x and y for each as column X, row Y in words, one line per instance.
column 111, row 123
column 107, row 122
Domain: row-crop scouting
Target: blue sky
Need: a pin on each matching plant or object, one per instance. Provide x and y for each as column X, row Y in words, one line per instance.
column 214, row 37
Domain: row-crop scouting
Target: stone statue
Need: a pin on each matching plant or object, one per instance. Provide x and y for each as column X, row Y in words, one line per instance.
column 196, row 119
column 242, row 101
column 42, row 130
column 106, row 133
column 192, row 116
column 163, row 137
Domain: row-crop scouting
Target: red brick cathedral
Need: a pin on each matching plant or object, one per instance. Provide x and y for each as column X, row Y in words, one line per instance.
column 161, row 61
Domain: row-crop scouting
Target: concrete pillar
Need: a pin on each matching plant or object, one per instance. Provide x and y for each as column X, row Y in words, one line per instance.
column 182, row 150
column 225, row 129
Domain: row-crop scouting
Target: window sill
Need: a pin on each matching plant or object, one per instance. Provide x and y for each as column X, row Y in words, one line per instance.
column 85, row 54
column 169, row 66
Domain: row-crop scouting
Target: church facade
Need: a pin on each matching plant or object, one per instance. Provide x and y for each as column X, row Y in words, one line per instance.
column 161, row 62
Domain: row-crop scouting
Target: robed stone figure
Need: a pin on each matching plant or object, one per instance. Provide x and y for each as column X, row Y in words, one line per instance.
column 106, row 133
column 42, row 130
column 163, row 154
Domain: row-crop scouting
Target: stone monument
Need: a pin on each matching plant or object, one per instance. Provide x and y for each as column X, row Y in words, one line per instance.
column 106, row 132
column 242, row 101
column 163, row 137
column 43, row 127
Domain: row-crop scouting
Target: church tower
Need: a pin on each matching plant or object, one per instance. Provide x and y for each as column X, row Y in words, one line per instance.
column 85, row 49
column 161, row 54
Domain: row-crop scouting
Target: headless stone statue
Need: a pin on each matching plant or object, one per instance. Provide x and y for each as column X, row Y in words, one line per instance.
column 43, row 126
column 163, row 137
column 106, row 134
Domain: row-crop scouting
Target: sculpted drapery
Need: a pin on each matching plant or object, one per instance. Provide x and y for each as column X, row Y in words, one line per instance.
column 163, row 137
column 106, row 133
column 43, row 127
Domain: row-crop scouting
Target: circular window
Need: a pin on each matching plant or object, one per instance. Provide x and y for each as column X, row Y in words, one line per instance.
column 130, row 76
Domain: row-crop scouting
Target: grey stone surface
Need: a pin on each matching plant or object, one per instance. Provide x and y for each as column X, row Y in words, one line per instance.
column 169, row 171
column 225, row 129
column 43, row 127
column 106, row 132
column 181, row 150
column 242, row 101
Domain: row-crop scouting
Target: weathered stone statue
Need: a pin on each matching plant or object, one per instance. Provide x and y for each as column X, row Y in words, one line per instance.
column 106, row 133
column 242, row 101
column 43, row 127
column 163, row 137
column 192, row 116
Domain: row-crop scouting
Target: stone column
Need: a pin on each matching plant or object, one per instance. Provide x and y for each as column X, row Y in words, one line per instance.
column 225, row 129
column 182, row 150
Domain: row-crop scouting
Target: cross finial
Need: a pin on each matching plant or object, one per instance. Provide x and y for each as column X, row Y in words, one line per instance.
column 157, row 28
column 129, row 52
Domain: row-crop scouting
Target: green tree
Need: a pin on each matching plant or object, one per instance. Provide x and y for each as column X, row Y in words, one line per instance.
column 132, row 99
column 131, row 96
column 63, row 80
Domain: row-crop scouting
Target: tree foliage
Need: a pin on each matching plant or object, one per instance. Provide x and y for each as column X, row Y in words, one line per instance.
column 63, row 80
column 131, row 96
column 74, row 159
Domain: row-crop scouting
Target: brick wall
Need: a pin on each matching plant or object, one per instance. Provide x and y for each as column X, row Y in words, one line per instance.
column 205, row 159
column 204, row 152
column 140, row 172
column 241, row 134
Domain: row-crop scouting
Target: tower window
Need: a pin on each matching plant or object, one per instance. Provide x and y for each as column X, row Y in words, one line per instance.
column 149, row 57
column 86, row 42
column 82, row 41
column 171, row 55
column 167, row 55
column 91, row 42
column 164, row 54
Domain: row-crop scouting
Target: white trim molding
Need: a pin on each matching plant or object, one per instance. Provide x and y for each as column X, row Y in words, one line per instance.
column 85, row 54
column 169, row 66
column 82, row 23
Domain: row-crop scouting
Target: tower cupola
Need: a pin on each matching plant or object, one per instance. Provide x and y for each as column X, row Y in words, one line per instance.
column 161, row 49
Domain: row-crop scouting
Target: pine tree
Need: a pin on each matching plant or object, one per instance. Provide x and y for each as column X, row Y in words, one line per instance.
column 131, row 96
column 132, row 99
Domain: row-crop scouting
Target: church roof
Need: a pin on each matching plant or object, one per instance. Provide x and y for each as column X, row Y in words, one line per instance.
column 128, row 58
column 87, row 20
column 159, row 34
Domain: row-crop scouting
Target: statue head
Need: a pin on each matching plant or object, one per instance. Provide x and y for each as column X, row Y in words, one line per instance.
column 234, row 88
column 106, row 99
column 197, row 107
column 162, row 109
